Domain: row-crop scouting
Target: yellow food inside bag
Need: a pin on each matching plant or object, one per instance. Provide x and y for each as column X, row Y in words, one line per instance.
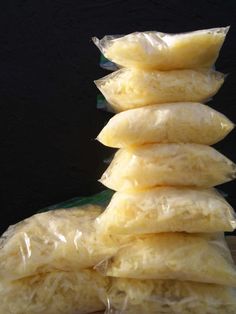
column 167, row 209
column 132, row 296
column 132, row 88
column 166, row 123
column 54, row 293
column 176, row 256
column 153, row 165
column 160, row 51
column 56, row 240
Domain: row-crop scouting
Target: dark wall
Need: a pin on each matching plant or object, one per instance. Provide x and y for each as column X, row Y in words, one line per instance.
column 48, row 100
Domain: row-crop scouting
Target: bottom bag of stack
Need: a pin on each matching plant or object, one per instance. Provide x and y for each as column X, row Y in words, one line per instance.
column 88, row 291
column 57, row 263
column 55, row 293
column 132, row 296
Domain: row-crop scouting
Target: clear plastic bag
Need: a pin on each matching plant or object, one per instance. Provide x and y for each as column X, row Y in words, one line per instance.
column 155, row 50
column 132, row 296
column 131, row 88
column 167, row 209
column 174, row 256
column 147, row 166
column 63, row 240
column 54, row 293
column 107, row 64
column 167, row 123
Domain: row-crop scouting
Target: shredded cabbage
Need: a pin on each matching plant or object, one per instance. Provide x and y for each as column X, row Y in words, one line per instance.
column 54, row 293
column 132, row 296
column 167, row 123
column 155, row 50
column 177, row 256
column 138, row 168
column 132, row 88
column 56, row 240
column 167, row 209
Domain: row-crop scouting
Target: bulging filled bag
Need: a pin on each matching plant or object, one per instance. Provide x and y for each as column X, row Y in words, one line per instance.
column 139, row 168
column 132, row 296
column 131, row 88
column 56, row 240
column 54, row 293
column 175, row 256
column 166, row 123
column 160, row 51
column 167, row 209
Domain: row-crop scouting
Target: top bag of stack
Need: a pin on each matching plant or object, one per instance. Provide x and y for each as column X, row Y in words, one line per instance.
column 160, row 51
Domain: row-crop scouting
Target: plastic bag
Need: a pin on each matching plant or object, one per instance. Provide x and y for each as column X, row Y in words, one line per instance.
column 132, row 88
column 130, row 296
column 175, row 256
column 167, row 123
column 54, row 293
column 107, row 64
column 56, row 240
column 155, row 50
column 167, row 209
column 147, row 166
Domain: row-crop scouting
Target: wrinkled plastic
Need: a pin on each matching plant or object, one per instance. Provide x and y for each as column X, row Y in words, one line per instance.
column 54, row 293
column 102, row 104
column 175, row 256
column 130, row 296
column 99, row 200
column 155, row 50
column 147, row 166
column 167, row 123
column 107, row 64
column 63, row 240
column 131, row 88
column 167, row 209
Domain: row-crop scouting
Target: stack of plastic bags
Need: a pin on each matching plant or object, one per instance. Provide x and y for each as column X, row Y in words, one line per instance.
column 159, row 246
column 164, row 175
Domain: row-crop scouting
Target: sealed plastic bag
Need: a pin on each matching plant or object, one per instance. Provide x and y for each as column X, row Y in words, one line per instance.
column 167, row 209
column 176, row 256
column 132, row 88
column 167, row 123
column 56, row 240
column 160, row 51
column 54, row 293
column 153, row 165
column 131, row 296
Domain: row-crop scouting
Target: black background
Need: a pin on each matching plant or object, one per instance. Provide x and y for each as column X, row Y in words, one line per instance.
column 48, row 115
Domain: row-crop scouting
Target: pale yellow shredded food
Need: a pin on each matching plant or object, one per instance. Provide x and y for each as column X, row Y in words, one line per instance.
column 54, row 293
column 138, row 168
column 167, row 209
column 132, row 296
column 131, row 88
column 56, row 240
column 155, row 50
column 166, row 123
column 175, row 256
